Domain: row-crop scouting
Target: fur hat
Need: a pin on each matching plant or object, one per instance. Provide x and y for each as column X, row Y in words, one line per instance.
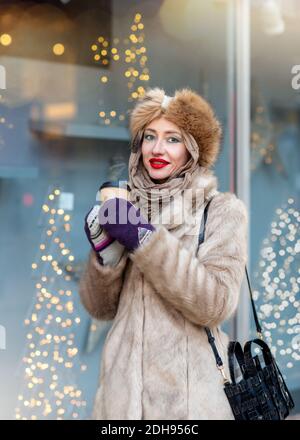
column 188, row 110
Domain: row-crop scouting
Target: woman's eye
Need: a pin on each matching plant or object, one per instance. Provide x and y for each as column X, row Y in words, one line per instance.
column 150, row 137
column 147, row 135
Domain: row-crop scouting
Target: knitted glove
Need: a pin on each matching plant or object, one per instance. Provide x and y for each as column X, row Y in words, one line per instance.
column 108, row 249
column 122, row 221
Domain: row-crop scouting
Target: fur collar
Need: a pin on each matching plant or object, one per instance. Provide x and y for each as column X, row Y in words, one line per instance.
column 182, row 214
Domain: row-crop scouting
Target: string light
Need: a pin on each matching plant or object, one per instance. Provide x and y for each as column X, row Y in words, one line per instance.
column 264, row 148
column 58, row 49
column 5, row 39
column 51, row 352
column 278, row 279
column 135, row 59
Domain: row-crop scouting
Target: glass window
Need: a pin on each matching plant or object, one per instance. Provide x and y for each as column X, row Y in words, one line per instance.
column 70, row 72
column 275, row 181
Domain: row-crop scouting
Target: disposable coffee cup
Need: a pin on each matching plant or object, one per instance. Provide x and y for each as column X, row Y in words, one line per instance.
column 112, row 189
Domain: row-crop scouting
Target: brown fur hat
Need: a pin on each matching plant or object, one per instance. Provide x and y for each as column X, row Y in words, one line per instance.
column 188, row 110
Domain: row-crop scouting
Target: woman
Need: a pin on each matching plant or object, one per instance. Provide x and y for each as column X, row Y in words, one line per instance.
column 156, row 361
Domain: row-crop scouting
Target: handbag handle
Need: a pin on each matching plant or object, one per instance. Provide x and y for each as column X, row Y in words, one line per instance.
column 210, row 337
column 249, row 362
column 235, row 351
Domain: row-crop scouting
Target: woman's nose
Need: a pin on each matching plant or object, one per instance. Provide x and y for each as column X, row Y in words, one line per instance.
column 158, row 147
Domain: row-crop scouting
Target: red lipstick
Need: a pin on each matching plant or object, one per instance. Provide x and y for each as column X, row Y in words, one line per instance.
column 158, row 163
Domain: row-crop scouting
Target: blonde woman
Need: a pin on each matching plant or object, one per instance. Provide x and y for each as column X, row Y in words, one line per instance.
column 160, row 291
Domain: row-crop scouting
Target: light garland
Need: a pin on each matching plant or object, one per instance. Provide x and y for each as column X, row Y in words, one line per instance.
column 49, row 389
column 278, row 278
column 133, row 54
column 263, row 134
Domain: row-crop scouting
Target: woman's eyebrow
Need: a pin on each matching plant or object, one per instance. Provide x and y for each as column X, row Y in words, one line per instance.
column 168, row 131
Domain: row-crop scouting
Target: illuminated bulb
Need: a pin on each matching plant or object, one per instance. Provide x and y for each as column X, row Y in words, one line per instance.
column 5, row 39
column 58, row 49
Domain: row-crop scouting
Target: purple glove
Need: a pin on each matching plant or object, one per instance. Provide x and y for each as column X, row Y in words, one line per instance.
column 108, row 250
column 122, row 221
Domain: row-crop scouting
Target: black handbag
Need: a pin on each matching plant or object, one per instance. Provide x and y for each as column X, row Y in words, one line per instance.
column 261, row 393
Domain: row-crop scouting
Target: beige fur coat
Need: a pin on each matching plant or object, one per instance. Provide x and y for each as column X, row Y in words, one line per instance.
column 156, row 362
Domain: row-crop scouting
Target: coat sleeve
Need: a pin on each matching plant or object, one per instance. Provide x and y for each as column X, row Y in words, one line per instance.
column 100, row 287
column 204, row 288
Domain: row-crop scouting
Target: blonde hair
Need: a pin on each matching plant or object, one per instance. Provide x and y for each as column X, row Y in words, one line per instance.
column 148, row 108
column 189, row 111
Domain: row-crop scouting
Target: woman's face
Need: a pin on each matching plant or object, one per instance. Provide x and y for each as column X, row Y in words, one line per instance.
column 163, row 149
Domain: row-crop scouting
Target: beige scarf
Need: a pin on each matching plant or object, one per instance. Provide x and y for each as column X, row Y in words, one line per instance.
column 152, row 197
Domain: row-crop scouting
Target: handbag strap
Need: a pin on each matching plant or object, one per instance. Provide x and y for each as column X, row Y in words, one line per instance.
column 209, row 334
column 210, row 337
column 257, row 324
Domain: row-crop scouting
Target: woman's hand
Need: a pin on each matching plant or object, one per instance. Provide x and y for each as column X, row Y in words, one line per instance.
column 108, row 250
column 122, row 221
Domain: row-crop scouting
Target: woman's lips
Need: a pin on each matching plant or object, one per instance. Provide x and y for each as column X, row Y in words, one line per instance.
column 158, row 164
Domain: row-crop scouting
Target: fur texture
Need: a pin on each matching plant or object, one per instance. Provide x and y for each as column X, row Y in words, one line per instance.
column 156, row 362
column 189, row 111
